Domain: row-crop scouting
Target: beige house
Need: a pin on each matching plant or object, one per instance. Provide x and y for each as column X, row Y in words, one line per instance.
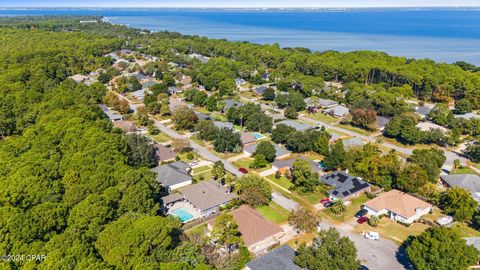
column 399, row 206
column 258, row 234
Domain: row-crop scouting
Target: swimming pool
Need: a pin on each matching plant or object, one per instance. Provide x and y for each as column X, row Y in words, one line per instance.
column 258, row 136
column 183, row 214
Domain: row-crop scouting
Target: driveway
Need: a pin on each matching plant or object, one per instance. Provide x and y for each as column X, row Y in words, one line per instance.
column 284, row 201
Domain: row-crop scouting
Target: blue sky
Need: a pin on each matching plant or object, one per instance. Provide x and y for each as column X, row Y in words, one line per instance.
column 243, row 3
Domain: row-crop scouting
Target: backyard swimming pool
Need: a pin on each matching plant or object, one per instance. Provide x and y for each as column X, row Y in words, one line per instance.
column 183, row 214
column 258, row 136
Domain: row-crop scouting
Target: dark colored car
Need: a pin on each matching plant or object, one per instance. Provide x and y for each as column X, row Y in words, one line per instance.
column 243, row 170
column 362, row 220
column 328, row 204
column 361, row 213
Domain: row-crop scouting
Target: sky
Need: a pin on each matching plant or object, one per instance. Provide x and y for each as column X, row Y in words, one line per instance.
column 239, row 4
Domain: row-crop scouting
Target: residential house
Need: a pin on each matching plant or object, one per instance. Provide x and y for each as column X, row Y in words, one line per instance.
column 315, row 103
column 126, row 126
column 164, row 154
column 345, row 186
column 337, row 111
column 470, row 182
column 299, row 126
column 201, row 199
column 173, row 175
column 399, row 206
column 257, row 233
column 147, row 84
column 111, row 114
column 422, row 111
column 428, row 126
column 467, row 116
column 260, row 90
column 221, row 125
column 140, row 94
column 239, row 81
column 203, row 59
column 287, row 164
column 229, row 103
column 280, row 152
column 247, row 139
column 174, row 90
column 78, row 78
column 281, row 258
column 202, row 116
column 176, row 103
column 140, row 77
column 381, row 122
column 352, row 143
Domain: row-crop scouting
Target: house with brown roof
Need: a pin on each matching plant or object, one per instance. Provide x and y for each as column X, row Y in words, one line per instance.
column 257, row 233
column 126, row 126
column 247, row 139
column 399, row 206
column 164, row 154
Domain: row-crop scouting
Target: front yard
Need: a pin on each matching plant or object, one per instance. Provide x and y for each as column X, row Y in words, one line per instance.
column 349, row 214
column 322, row 117
column 274, row 213
column 392, row 230
column 245, row 163
column 161, row 138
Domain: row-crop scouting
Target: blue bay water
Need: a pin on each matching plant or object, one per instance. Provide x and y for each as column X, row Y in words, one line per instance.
column 445, row 35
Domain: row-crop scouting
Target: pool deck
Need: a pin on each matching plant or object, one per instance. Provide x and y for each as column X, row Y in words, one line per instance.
column 186, row 206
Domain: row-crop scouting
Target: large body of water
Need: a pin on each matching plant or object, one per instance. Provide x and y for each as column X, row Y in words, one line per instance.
column 445, row 35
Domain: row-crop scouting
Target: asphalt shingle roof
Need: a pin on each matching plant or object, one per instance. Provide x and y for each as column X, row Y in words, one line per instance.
column 206, row 194
column 280, row 258
column 295, row 124
column 470, row 182
column 172, row 173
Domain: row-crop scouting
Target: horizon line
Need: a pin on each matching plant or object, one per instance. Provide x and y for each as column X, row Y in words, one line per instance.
column 253, row 7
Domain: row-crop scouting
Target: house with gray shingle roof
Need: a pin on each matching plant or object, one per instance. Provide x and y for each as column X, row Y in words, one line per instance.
column 280, row 152
column 469, row 182
column 281, row 258
column 299, row 126
column 337, row 111
column 313, row 102
column 146, row 85
column 173, row 175
column 111, row 114
column 344, row 186
column 468, row 116
column 221, row 125
column 422, row 111
column 260, row 90
column 229, row 103
column 381, row 122
column 287, row 164
column 353, row 142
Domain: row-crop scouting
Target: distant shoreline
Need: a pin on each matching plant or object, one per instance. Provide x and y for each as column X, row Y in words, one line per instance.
column 452, row 8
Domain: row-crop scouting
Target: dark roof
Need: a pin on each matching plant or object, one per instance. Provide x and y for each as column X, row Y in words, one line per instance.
column 172, row 173
column 172, row 198
column 344, row 184
column 280, row 258
column 289, row 163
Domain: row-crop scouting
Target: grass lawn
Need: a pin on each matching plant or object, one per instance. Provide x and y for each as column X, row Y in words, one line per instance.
column 274, row 213
column 322, row 117
column 313, row 156
column 392, row 230
column 464, row 170
column 183, row 156
column 352, row 209
column 161, row 138
column 356, row 129
column 197, row 140
column 467, row 231
column 199, row 230
column 313, row 197
column 243, row 163
column 248, row 94
column 282, row 181
column 436, row 213
column 206, row 175
column 201, row 169
column 219, row 117
column 303, row 238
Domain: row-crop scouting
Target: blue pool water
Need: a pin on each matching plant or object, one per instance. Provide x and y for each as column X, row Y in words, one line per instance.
column 258, row 136
column 445, row 35
column 183, row 214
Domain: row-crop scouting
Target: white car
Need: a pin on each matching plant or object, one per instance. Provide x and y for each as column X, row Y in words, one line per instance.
column 372, row 235
column 193, row 163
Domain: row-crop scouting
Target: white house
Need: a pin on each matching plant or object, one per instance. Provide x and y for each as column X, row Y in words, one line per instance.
column 399, row 206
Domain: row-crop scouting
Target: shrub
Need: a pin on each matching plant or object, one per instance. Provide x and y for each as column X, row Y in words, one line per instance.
column 190, row 156
column 373, row 221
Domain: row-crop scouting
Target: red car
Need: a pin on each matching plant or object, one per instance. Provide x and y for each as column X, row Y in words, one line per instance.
column 324, row 200
column 362, row 220
column 243, row 170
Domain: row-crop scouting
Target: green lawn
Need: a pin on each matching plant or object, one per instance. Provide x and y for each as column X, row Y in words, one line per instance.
column 219, row 117
column 356, row 129
column 282, row 181
column 201, row 169
column 207, row 175
column 464, row 170
column 322, row 117
column 183, row 156
column 199, row 230
column 392, row 230
column 243, row 163
column 352, row 209
column 274, row 213
column 313, row 197
column 161, row 137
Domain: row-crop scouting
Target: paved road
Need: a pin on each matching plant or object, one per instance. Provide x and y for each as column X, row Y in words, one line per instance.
column 375, row 255
column 202, row 151
column 284, row 201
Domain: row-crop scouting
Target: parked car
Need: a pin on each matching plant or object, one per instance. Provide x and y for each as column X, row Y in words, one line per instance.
column 243, row 170
column 362, row 220
column 361, row 213
column 328, row 204
column 324, row 200
column 372, row 236
column 193, row 163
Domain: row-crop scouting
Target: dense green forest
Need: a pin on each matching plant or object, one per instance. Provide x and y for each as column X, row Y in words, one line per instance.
column 67, row 191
